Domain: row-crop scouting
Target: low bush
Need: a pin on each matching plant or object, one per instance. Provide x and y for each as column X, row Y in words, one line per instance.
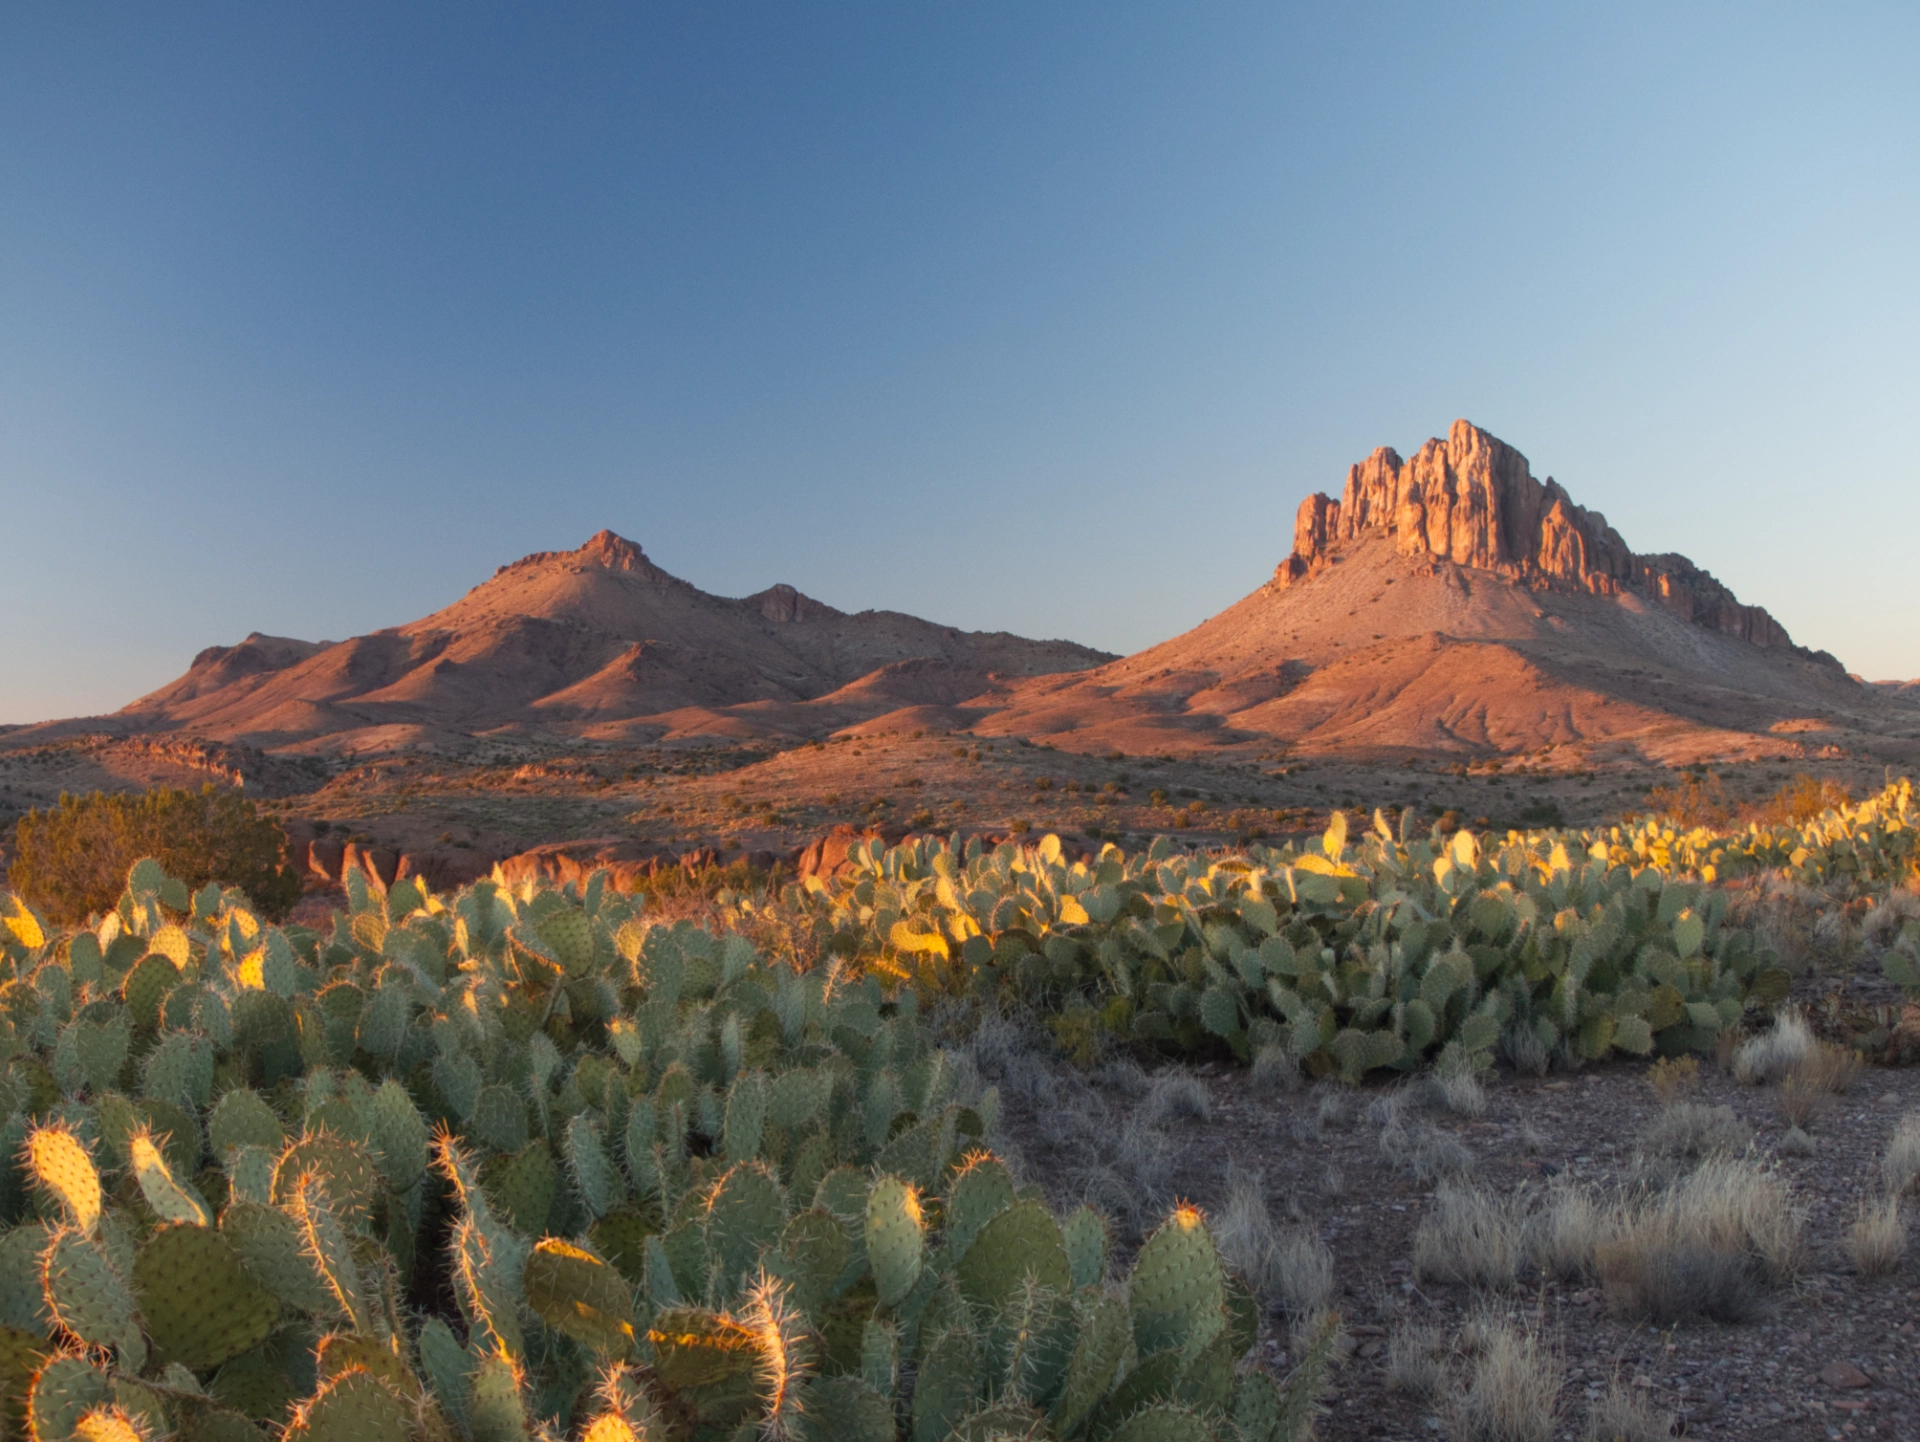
column 71, row 860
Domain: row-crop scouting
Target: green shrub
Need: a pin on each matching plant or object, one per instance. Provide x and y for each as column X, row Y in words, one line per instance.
column 72, row 859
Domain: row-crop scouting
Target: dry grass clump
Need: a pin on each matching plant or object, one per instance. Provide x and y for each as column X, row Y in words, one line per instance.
column 1767, row 1058
column 1524, row 1051
column 1562, row 1235
column 1703, row 1247
column 1623, row 1414
column 1424, row 1152
column 1813, row 1082
column 1513, row 1388
column 1877, row 1239
column 1459, row 1092
column 1417, row 1360
column 1274, row 1070
column 1176, row 1096
column 1693, row 1130
column 1290, row 1270
column 1900, row 1164
column 1471, row 1236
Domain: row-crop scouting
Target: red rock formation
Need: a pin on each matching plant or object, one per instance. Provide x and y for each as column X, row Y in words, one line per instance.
column 1472, row 499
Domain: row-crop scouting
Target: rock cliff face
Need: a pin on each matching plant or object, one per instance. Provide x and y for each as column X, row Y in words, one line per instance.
column 1473, row 500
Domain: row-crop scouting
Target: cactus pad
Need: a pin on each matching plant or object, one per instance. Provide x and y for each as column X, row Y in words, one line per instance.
column 1021, row 1242
column 107, row 1424
column 61, row 1164
column 201, row 1304
column 242, row 1119
column 268, row 1241
column 1177, row 1291
column 980, row 1192
column 948, row 1387
column 172, row 1201
column 397, row 1134
column 324, row 1240
column 344, row 1167
column 64, row 1390
column 575, row 1292
column 746, row 1116
column 1163, row 1423
column 846, row 1409
column 595, row 1180
column 745, row 1214
column 499, row 1119
column 1099, row 1350
column 522, row 1186
column 1085, row 1234
column 896, row 1239
column 708, row 1363
column 356, row 1406
column 88, row 1298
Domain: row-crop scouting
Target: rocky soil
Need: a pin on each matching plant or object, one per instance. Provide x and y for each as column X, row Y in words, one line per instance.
column 1832, row 1354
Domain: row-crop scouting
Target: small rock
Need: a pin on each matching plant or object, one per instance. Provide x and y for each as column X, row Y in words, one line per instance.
column 1844, row 1374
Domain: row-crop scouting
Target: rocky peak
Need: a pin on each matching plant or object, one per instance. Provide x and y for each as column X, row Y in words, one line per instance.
column 616, row 553
column 1472, row 499
column 782, row 604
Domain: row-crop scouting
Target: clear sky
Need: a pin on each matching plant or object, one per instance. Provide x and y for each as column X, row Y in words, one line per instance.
column 1040, row 317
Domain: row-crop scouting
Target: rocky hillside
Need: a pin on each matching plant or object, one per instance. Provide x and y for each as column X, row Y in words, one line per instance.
column 1452, row 605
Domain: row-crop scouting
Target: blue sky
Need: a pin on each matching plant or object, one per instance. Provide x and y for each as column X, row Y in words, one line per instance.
column 1035, row 317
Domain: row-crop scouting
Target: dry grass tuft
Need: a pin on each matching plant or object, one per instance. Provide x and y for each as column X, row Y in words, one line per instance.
column 1274, row 1070
column 1471, row 1236
column 1775, row 1052
column 1459, row 1092
column 1796, row 1143
column 1562, row 1235
column 1290, row 1270
column 1703, row 1247
column 1417, row 1360
column 1177, row 1096
column 1524, row 1051
column 1424, row 1152
column 1900, row 1165
column 1693, row 1130
column 1513, row 1391
column 1623, row 1414
column 1877, row 1239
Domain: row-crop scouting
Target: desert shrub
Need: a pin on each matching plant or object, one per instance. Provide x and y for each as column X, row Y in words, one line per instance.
column 1695, row 801
column 71, row 860
column 1801, row 800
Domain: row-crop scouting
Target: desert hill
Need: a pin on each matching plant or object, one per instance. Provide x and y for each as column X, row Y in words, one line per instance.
column 594, row 644
column 1452, row 604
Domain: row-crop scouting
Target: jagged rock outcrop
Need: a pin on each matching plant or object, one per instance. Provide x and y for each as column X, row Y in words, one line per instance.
column 1473, row 500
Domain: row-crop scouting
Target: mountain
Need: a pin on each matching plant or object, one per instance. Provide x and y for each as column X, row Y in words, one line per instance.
column 597, row 643
column 1452, row 604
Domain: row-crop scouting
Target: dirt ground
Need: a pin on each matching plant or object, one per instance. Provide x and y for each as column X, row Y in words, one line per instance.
column 1324, row 1161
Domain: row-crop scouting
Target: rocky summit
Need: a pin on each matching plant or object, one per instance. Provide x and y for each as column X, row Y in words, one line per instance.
column 1472, row 499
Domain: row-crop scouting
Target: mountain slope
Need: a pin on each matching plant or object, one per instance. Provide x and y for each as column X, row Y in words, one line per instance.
column 599, row 643
column 1452, row 604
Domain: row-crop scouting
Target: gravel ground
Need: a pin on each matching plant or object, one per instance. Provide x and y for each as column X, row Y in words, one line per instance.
column 1831, row 1355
